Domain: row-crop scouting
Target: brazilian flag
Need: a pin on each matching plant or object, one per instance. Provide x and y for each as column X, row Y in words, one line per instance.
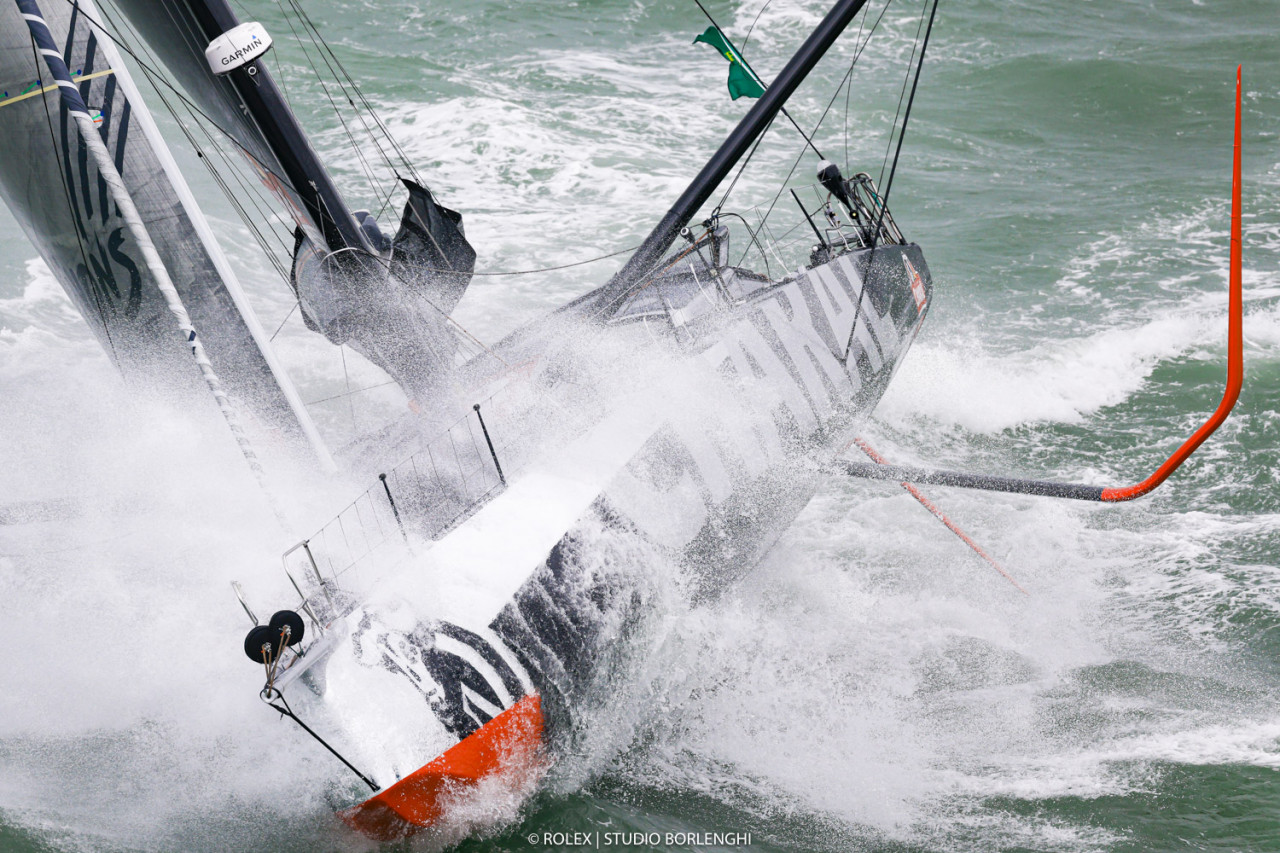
column 742, row 80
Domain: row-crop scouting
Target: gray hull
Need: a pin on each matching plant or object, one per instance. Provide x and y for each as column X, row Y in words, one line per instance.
column 541, row 596
column 810, row 358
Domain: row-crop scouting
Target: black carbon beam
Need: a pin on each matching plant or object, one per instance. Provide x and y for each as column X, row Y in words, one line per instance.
column 985, row 482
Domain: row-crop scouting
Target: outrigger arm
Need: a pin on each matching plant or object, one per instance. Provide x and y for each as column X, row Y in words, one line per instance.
column 1046, row 488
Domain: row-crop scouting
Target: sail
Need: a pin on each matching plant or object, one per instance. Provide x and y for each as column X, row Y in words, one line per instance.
column 431, row 251
column 62, row 203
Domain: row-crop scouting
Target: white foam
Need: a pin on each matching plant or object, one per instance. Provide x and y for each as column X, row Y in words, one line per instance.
column 964, row 383
column 42, row 304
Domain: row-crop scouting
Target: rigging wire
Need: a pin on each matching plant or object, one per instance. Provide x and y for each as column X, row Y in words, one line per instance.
column 848, row 92
column 657, row 272
column 716, row 210
column 323, row 45
column 251, row 188
column 754, row 21
column 246, row 15
column 296, row 304
column 473, row 338
column 847, row 76
column 346, row 381
column 884, row 203
column 405, row 160
column 542, row 269
column 331, row 60
column 901, row 95
column 353, row 391
column 324, row 86
column 286, row 711
column 759, row 247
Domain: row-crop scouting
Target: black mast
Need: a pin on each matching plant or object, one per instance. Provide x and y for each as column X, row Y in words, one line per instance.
column 731, row 151
column 282, row 133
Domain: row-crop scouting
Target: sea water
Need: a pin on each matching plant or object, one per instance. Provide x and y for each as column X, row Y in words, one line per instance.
column 873, row 685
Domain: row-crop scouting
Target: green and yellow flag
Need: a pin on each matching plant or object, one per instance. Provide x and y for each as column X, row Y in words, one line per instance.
column 742, row 80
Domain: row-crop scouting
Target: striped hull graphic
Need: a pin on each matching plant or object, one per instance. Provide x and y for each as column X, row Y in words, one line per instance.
column 536, row 596
column 816, row 353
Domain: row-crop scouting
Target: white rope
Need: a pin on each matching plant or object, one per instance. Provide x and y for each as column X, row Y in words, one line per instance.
column 138, row 230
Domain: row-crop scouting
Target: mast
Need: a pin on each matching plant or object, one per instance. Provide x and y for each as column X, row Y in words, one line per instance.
column 284, row 136
column 391, row 306
column 731, row 151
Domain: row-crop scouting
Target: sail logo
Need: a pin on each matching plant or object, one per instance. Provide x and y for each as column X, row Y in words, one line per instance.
column 106, row 274
column 252, row 48
column 97, row 273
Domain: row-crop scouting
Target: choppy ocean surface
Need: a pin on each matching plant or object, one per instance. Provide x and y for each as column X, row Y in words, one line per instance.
column 873, row 685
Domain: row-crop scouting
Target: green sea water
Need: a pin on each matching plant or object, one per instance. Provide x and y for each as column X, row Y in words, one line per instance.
column 872, row 685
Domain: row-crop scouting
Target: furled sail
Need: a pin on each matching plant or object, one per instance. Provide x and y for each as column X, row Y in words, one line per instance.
column 431, row 249
column 62, row 202
column 390, row 299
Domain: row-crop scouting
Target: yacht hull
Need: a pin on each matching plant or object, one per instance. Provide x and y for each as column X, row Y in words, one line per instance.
column 540, row 599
